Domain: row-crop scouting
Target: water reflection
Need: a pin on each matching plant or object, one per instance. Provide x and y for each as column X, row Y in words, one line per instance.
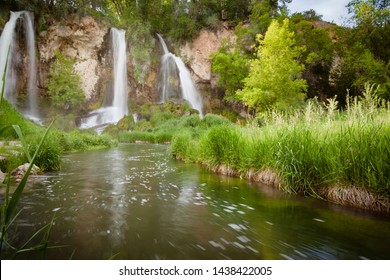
column 136, row 202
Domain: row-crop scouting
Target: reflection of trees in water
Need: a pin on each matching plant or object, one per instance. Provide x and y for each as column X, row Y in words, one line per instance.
column 135, row 201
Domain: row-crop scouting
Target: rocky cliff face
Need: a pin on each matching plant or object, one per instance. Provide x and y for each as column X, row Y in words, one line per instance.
column 89, row 44
column 197, row 53
column 84, row 41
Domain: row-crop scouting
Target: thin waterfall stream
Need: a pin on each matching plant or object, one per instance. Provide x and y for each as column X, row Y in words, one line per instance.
column 116, row 108
column 7, row 44
column 173, row 68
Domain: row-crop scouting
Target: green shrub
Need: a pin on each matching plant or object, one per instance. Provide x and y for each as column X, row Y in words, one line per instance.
column 211, row 120
column 179, row 145
column 49, row 156
column 133, row 136
column 223, row 145
column 64, row 84
column 160, row 117
column 191, row 121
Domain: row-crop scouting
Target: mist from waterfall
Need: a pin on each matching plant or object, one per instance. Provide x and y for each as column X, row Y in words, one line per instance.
column 173, row 67
column 7, row 44
column 116, row 107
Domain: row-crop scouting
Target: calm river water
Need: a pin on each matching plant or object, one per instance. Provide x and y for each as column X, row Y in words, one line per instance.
column 135, row 202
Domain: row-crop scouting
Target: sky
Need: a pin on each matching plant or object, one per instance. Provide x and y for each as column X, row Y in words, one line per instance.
column 331, row 10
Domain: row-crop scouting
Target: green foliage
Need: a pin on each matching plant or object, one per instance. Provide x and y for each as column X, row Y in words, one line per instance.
column 274, row 78
column 211, row 120
column 164, row 126
column 318, row 54
column 9, row 116
column 64, row 84
column 48, row 155
column 232, row 68
column 77, row 140
column 9, row 204
column 372, row 29
column 185, row 29
column 315, row 147
column 222, row 145
column 134, row 136
column 370, row 12
column 142, row 44
column 359, row 66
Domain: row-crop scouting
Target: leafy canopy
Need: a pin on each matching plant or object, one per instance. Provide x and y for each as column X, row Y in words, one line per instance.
column 274, row 78
column 231, row 65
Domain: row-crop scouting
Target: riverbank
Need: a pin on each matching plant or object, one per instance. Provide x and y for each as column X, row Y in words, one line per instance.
column 56, row 144
column 343, row 195
column 338, row 156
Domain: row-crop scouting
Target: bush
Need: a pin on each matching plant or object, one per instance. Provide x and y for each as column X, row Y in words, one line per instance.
column 223, row 145
column 179, row 145
column 132, row 137
column 211, row 120
column 64, row 84
column 49, row 156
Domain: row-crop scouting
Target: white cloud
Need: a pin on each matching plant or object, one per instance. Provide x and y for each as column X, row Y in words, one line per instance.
column 331, row 10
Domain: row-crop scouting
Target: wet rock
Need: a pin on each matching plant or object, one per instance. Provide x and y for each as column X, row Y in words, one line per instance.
column 19, row 172
column 198, row 51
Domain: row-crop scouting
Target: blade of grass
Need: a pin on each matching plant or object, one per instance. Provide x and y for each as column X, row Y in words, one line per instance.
column 3, row 78
column 43, row 245
column 24, row 144
column 18, row 192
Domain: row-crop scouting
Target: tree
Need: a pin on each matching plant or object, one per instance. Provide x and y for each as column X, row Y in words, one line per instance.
column 318, row 56
column 231, row 65
column 64, row 84
column 372, row 21
column 274, row 77
column 370, row 12
column 358, row 66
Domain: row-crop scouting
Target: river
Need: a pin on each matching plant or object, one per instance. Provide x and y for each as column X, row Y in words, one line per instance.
column 135, row 202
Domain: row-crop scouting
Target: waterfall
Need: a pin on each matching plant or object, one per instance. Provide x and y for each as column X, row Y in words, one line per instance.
column 7, row 42
column 116, row 108
column 170, row 65
column 120, row 73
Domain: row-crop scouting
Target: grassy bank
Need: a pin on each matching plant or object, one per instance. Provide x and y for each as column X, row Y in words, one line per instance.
column 56, row 143
column 340, row 156
column 164, row 123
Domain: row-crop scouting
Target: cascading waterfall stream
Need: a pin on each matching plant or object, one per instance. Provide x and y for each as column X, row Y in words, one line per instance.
column 7, row 43
column 117, row 108
column 170, row 64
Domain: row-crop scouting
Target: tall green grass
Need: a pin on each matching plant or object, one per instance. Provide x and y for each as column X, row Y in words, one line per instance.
column 315, row 147
column 163, row 126
column 8, row 208
column 57, row 143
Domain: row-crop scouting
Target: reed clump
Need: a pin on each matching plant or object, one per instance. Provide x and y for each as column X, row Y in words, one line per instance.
column 308, row 151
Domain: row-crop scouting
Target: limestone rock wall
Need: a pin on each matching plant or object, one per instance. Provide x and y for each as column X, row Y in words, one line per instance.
column 197, row 53
column 88, row 43
column 82, row 39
